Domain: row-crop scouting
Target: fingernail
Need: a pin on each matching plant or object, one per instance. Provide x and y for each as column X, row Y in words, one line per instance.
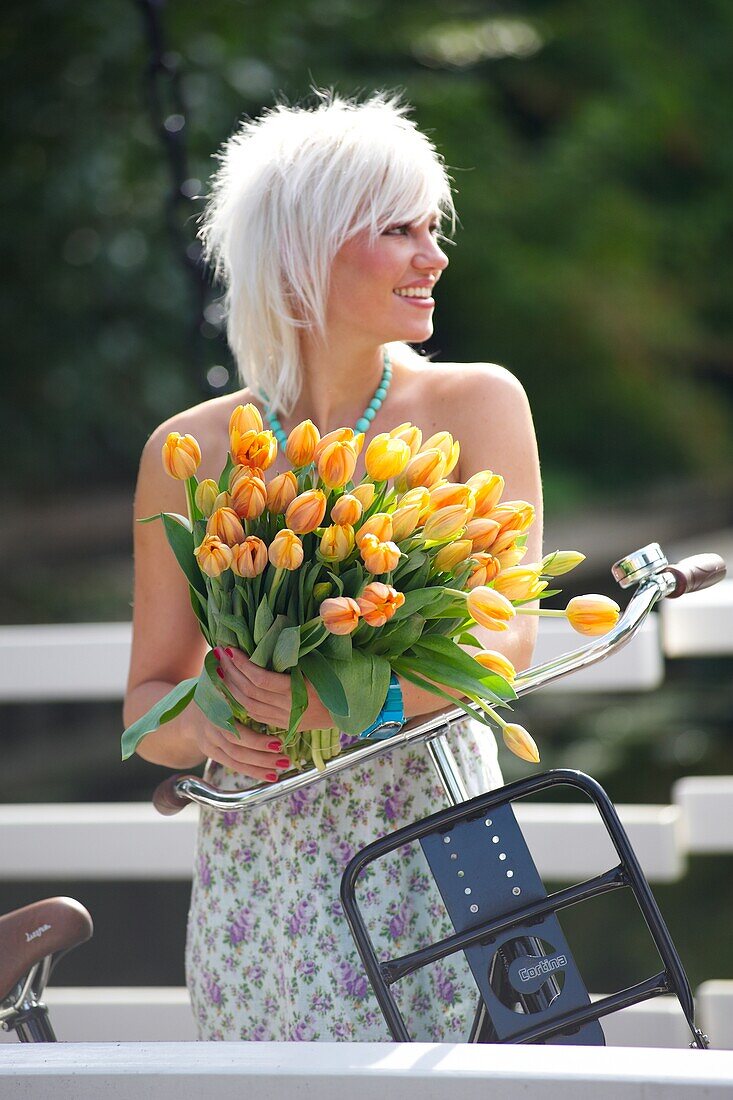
column 272, row 776
column 219, row 673
column 228, row 652
column 282, row 762
column 217, row 653
column 274, row 746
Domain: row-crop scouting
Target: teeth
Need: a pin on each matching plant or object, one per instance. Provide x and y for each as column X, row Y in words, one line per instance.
column 414, row 292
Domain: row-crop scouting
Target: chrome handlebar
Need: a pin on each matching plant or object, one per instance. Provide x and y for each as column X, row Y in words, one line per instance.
column 647, row 568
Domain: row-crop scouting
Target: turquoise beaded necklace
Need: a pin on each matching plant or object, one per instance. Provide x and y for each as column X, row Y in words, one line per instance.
column 362, row 424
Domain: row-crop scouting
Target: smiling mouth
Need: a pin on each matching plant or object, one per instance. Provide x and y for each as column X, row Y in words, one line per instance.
column 424, row 292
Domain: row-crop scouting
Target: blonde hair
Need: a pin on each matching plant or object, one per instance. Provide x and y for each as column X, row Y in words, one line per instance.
column 291, row 187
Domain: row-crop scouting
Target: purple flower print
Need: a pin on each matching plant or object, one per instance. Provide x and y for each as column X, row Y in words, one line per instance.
column 351, row 981
column 321, row 1002
column 298, row 802
column 212, row 988
column 444, row 987
column 231, row 817
column 204, row 871
column 260, row 1034
column 343, row 851
column 299, row 919
column 241, row 927
column 303, row 1032
column 347, row 740
column 310, row 848
column 342, row 1030
column 393, row 803
column 399, row 921
column 306, row 967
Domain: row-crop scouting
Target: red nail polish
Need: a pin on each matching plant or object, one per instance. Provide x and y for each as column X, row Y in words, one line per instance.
column 219, row 673
column 228, row 652
column 217, row 653
column 271, row 776
column 274, row 746
column 282, row 762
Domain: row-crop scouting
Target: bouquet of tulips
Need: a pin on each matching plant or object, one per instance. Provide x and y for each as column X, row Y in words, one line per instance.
column 343, row 584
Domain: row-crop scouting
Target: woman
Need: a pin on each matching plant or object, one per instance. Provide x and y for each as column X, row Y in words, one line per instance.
column 324, row 226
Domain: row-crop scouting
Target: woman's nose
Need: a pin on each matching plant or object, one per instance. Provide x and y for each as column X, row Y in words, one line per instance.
column 430, row 256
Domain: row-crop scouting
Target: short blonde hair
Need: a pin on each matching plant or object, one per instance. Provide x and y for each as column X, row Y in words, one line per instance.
column 291, row 187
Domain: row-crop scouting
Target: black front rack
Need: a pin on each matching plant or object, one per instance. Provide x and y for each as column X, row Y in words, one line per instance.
column 530, row 988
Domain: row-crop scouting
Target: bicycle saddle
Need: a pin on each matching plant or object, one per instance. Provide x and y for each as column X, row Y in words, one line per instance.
column 30, row 934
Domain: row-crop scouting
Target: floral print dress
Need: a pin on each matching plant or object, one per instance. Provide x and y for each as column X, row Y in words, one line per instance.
column 269, row 954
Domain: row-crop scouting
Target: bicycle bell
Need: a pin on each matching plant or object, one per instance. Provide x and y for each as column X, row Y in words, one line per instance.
column 636, row 567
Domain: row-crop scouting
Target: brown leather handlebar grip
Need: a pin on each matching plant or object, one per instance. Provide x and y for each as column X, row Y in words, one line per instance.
column 699, row 571
column 166, row 798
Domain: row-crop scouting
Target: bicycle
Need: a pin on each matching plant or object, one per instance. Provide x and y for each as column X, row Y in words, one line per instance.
column 515, row 973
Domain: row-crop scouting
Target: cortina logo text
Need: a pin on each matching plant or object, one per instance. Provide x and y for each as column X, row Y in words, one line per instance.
column 544, row 966
column 37, row 932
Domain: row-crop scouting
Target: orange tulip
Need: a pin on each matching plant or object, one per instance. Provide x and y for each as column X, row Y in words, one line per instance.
column 380, row 524
column 206, row 493
column 213, row 556
column 446, row 523
column 515, row 515
column 409, row 434
column 592, row 614
column 378, row 603
column 426, row 468
column 490, row 608
column 245, row 418
column 485, row 567
column 336, row 464
column 521, row 743
column 253, row 448
column 337, row 542
column 249, row 497
column 340, row 615
column 482, row 533
column 443, row 496
column 181, row 456
column 497, row 662
column 306, row 512
column 451, row 555
column 240, row 473
column 286, row 550
column 521, row 582
column 386, row 457
column 249, row 558
column 420, row 496
column 404, row 521
column 364, row 493
column 347, row 509
column 504, row 540
column 443, row 441
column 338, row 435
column 302, row 443
column 487, row 488
column 379, row 557
column 226, row 525
column 281, row 492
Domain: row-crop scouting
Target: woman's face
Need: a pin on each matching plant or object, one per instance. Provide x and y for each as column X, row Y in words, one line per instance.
column 382, row 289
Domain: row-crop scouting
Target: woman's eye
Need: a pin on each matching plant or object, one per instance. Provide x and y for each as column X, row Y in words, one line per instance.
column 397, row 229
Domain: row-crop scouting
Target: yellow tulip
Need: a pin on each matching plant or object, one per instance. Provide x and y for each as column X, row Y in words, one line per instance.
column 409, row 434
column 521, row 582
column 426, row 468
column 253, row 448
column 420, row 496
column 364, row 493
column 378, row 603
column 206, row 493
column 482, row 533
column 521, row 743
column 281, row 492
column 213, row 556
column 404, row 521
column 386, row 457
column 379, row 557
column 245, row 418
column 249, row 497
column 224, row 500
column 337, row 542
column 249, row 558
column 487, row 488
column 592, row 614
column 516, row 515
column 446, row 523
column 445, row 443
column 451, row 555
column 226, row 525
column 302, row 443
column 347, row 509
column 336, row 464
column 380, row 524
column 497, row 662
column 511, row 556
column 181, row 456
column 504, row 540
column 485, row 567
column 561, row 561
column 442, row 496
column 340, row 615
column 489, row 608
column 306, row 512
column 286, row 550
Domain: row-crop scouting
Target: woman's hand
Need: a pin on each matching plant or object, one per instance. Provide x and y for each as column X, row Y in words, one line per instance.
column 266, row 695
column 257, row 755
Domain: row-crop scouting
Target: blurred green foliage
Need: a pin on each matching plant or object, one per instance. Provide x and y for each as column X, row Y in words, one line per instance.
column 590, row 150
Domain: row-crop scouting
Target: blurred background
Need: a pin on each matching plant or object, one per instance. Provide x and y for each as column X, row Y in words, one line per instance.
column 591, row 152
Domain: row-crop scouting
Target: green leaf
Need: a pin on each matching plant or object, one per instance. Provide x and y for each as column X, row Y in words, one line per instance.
column 394, row 638
column 330, row 691
column 210, row 700
column 451, row 674
column 410, row 563
column 180, row 541
column 299, row 695
column 264, row 619
column 337, row 647
column 353, row 579
column 312, row 640
column 422, row 598
column 163, row 711
column 265, row 648
column 364, row 679
column 457, row 658
column 224, row 476
column 240, row 630
column 183, row 520
column 287, row 648
column 405, row 668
